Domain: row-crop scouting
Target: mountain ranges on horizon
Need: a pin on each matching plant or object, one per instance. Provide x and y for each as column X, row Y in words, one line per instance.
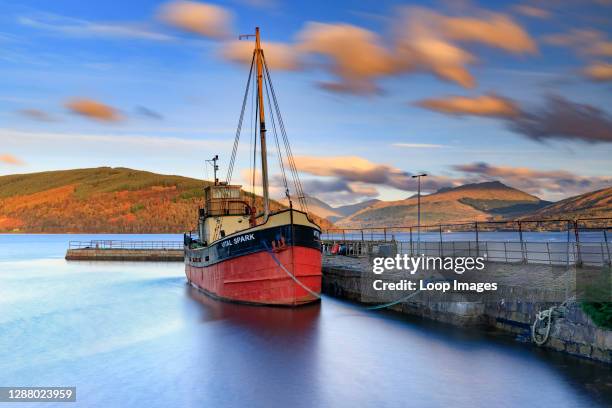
column 116, row 200
column 484, row 201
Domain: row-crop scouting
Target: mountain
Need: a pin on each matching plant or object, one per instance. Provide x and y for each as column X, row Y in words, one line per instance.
column 333, row 214
column 589, row 205
column 470, row 202
column 347, row 210
column 315, row 206
column 102, row 200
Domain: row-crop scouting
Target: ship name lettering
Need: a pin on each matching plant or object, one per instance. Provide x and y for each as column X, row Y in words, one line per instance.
column 244, row 238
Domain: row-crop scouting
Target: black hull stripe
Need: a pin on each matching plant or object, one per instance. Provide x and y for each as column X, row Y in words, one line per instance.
column 249, row 243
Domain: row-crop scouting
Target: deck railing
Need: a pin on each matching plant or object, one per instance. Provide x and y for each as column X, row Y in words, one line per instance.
column 133, row 245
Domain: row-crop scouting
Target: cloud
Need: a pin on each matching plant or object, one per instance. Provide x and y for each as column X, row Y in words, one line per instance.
column 315, row 186
column 337, row 191
column 532, row 11
column 205, row 19
column 421, row 40
column 484, row 105
column 350, row 178
column 599, row 71
column 536, row 181
column 37, row 114
column 591, row 45
column 355, row 55
column 337, row 185
column 492, row 29
column 564, row 119
column 427, row 41
column 93, row 110
column 146, row 112
column 10, row 159
column 585, row 42
column 558, row 118
column 83, row 28
column 602, row 49
column 419, row 48
column 354, row 169
column 49, row 146
column 278, row 56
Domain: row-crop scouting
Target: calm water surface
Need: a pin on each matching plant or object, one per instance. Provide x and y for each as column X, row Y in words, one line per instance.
column 134, row 335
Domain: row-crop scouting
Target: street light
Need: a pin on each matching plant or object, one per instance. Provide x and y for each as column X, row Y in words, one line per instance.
column 418, row 177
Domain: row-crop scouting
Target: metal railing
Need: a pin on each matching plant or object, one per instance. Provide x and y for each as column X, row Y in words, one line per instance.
column 589, row 229
column 551, row 253
column 133, row 245
column 581, row 242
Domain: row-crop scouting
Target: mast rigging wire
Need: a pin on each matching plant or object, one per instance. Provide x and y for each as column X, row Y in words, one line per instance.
column 275, row 116
column 230, row 167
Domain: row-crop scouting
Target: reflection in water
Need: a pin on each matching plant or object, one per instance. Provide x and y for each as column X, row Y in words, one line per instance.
column 134, row 335
column 299, row 321
column 270, row 350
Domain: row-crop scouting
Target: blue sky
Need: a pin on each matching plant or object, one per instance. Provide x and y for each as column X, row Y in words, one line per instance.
column 178, row 94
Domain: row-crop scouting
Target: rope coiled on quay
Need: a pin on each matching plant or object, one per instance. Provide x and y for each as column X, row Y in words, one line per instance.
column 544, row 318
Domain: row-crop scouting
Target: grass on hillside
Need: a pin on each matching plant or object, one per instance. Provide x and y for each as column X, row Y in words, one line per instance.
column 104, row 199
column 89, row 181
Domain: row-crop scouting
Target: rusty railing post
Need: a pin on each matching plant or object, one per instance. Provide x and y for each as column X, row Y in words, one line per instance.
column 411, row 244
column 567, row 248
column 605, row 234
column 477, row 244
column 578, row 249
column 523, row 244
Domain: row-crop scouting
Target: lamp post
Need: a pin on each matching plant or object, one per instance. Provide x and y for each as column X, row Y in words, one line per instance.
column 418, row 177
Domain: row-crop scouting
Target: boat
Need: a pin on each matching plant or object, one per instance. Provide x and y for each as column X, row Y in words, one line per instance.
column 246, row 254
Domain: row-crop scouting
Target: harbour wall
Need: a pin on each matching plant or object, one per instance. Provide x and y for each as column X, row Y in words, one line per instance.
column 146, row 255
column 513, row 307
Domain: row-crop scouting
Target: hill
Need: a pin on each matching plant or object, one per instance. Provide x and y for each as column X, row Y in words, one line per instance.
column 316, row 206
column 333, row 214
column 470, row 202
column 589, row 205
column 347, row 210
column 102, row 200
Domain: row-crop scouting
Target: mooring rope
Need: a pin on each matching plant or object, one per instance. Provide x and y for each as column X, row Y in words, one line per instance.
column 545, row 317
column 292, row 276
column 394, row 302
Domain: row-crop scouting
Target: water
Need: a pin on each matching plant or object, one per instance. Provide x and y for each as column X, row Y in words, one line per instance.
column 134, row 335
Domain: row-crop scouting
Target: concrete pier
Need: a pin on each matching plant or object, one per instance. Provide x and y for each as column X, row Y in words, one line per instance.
column 146, row 251
column 523, row 291
column 146, row 255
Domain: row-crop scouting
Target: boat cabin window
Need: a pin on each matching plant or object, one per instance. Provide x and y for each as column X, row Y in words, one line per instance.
column 225, row 200
column 225, row 192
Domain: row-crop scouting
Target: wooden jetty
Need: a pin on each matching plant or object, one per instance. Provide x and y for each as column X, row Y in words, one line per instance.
column 105, row 250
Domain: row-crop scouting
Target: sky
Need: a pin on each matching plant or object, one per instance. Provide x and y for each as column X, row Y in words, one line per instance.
column 371, row 92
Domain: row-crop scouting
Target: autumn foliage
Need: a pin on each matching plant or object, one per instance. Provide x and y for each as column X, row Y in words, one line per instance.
column 101, row 200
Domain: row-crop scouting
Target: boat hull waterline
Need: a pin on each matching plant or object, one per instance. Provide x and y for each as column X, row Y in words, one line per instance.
column 260, row 267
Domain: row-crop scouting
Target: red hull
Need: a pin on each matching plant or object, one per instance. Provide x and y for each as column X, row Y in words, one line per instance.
column 257, row 278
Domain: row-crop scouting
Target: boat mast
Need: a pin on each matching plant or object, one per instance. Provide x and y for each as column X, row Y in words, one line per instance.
column 262, row 123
